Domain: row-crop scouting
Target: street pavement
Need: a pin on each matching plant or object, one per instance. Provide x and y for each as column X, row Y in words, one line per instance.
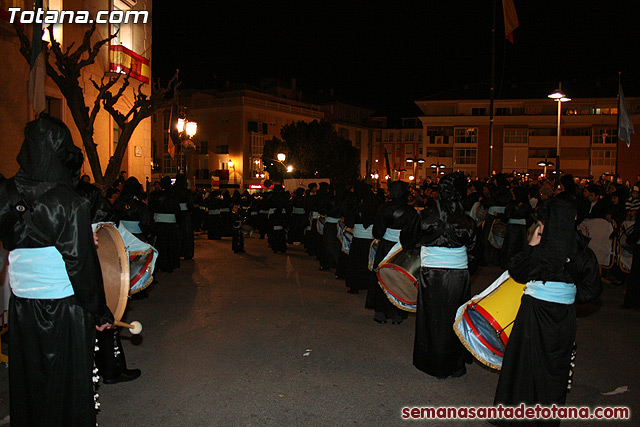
column 264, row 339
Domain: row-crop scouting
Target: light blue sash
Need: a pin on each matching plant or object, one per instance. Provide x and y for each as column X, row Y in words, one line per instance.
column 392, row 235
column 164, row 218
column 131, row 226
column 223, row 210
column 315, row 215
column 278, row 227
column 272, row 211
column 254, row 213
column 332, row 220
column 517, row 221
column 558, row 292
column 184, row 207
column 359, row 232
column 298, row 211
column 496, row 210
column 214, row 211
column 264, row 211
column 203, row 208
column 39, row 273
column 439, row 257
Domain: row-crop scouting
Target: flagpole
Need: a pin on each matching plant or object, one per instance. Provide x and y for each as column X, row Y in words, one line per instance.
column 492, row 91
column 618, row 125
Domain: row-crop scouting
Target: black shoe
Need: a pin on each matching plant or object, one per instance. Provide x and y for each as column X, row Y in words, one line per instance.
column 381, row 321
column 126, row 375
column 323, row 268
column 352, row 291
column 397, row 320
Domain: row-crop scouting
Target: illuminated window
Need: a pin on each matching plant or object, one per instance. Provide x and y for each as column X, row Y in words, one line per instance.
column 516, row 136
column 465, row 135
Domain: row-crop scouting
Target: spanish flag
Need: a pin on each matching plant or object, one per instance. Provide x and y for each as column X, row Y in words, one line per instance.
column 510, row 19
column 124, row 60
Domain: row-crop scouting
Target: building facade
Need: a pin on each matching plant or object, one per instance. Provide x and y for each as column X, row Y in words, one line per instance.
column 131, row 49
column 456, row 134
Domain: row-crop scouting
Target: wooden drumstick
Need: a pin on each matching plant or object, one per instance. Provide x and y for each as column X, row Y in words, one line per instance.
column 135, row 327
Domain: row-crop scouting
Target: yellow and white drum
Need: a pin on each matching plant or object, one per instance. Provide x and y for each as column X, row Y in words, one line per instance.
column 484, row 323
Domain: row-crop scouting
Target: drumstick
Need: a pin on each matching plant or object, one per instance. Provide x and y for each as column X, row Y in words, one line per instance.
column 135, row 327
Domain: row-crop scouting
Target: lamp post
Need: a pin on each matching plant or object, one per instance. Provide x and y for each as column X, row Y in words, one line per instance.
column 186, row 130
column 545, row 163
column 414, row 161
column 559, row 97
column 437, row 167
column 231, row 165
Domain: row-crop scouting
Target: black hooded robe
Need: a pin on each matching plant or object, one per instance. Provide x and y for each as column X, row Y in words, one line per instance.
column 52, row 340
column 437, row 350
column 536, row 365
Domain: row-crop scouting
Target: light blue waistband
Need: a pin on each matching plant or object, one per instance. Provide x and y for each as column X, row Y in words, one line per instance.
column 164, row 217
column 214, row 211
column 272, row 211
column 496, row 209
column 558, row 292
column 132, row 226
column 264, row 211
column 315, row 215
column 204, row 208
column 440, row 257
column 360, row 232
column 222, row 210
column 278, row 227
column 517, row 221
column 254, row 213
column 184, row 207
column 298, row 211
column 392, row 235
column 332, row 220
column 39, row 273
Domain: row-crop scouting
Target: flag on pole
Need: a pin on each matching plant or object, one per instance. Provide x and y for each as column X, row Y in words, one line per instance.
column 38, row 67
column 625, row 123
column 510, row 19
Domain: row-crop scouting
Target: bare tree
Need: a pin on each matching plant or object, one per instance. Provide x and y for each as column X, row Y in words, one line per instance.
column 65, row 70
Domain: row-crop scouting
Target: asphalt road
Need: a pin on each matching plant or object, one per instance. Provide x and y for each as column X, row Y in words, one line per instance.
column 263, row 339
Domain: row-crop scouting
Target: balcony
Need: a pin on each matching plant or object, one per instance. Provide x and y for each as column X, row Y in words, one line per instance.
column 124, row 60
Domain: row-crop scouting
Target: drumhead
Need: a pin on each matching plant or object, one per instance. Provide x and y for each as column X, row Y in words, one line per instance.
column 483, row 329
column 400, row 283
column 114, row 264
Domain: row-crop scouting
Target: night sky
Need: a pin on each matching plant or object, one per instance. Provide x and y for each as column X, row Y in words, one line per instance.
column 382, row 55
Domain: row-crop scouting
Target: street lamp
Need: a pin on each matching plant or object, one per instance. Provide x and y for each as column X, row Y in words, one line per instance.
column 437, row 167
column 415, row 162
column 559, row 97
column 544, row 164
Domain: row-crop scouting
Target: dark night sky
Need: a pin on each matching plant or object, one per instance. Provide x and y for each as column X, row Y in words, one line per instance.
column 382, row 54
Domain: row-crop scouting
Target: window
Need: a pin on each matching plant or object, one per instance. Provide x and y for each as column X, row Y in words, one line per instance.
column 464, row 156
column 204, row 147
column 169, row 165
column 390, row 136
column 603, row 158
column 502, row 111
column 465, row 135
column 478, row 111
column 576, row 131
column 516, row 136
column 222, row 149
column 605, row 136
column 257, row 144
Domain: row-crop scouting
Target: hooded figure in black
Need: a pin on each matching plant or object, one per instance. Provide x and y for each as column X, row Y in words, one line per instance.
column 165, row 210
column 447, row 238
column 360, row 219
column 132, row 212
column 392, row 219
column 185, row 200
column 558, row 268
column 57, row 297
